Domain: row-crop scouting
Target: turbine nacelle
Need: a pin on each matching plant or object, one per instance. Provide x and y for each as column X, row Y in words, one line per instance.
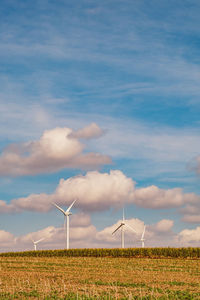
column 36, row 242
column 122, row 224
column 68, row 213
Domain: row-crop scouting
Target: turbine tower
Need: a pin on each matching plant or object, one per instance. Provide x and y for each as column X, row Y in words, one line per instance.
column 36, row 242
column 142, row 237
column 66, row 213
column 122, row 224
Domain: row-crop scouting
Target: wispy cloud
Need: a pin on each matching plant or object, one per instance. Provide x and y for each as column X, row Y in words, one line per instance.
column 141, row 47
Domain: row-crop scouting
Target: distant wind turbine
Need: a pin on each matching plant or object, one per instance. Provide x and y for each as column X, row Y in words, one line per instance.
column 142, row 237
column 66, row 213
column 122, row 224
column 36, row 242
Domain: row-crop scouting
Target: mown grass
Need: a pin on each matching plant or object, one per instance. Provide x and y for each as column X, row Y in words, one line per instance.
column 99, row 278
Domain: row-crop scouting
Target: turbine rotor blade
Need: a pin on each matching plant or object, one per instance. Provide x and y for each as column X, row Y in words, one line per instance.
column 58, row 207
column 143, row 232
column 39, row 240
column 130, row 227
column 70, row 206
column 118, row 228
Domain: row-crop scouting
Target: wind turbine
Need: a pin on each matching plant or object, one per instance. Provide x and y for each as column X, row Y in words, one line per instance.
column 36, row 242
column 122, row 224
column 66, row 213
column 142, row 237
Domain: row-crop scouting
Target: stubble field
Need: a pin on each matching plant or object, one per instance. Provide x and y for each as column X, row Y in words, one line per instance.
column 99, row 278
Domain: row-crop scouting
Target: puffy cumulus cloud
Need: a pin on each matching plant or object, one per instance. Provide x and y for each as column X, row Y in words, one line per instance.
column 55, row 238
column 50, row 238
column 45, row 233
column 159, row 234
column 154, row 197
column 34, row 202
column 190, row 237
column 7, row 240
column 82, row 234
column 56, row 149
column 156, row 235
column 193, row 218
column 97, row 191
column 106, row 237
column 7, row 208
column 88, row 132
column 94, row 192
column 163, row 226
column 86, row 235
column 191, row 209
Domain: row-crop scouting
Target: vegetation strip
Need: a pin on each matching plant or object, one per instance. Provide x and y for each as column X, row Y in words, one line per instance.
column 117, row 252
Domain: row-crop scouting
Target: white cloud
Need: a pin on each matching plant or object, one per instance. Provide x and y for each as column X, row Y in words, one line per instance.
column 7, row 208
column 191, row 209
column 88, row 132
column 55, row 150
column 6, row 240
column 45, row 233
column 82, row 233
column 163, row 226
column 131, row 238
column 97, row 191
column 94, row 192
column 190, row 237
column 34, row 202
column 159, row 234
column 193, row 218
column 86, row 235
column 153, row 197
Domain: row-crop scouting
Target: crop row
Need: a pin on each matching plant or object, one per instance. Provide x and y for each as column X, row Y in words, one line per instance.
column 115, row 252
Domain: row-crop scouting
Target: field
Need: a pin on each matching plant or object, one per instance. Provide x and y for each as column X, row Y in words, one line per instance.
column 99, row 278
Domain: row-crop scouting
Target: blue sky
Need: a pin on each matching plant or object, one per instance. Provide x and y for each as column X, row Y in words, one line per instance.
column 130, row 67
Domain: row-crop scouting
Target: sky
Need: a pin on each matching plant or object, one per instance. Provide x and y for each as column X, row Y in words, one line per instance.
column 99, row 102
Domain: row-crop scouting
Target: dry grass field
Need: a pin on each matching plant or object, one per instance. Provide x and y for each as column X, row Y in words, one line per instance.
column 98, row 278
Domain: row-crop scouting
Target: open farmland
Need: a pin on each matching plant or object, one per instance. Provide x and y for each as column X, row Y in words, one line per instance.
column 99, row 278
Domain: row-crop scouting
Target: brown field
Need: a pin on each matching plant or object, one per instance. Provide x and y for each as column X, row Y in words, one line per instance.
column 98, row 278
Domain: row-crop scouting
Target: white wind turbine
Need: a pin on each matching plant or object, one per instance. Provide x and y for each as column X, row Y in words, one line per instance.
column 36, row 242
column 142, row 237
column 66, row 213
column 122, row 224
